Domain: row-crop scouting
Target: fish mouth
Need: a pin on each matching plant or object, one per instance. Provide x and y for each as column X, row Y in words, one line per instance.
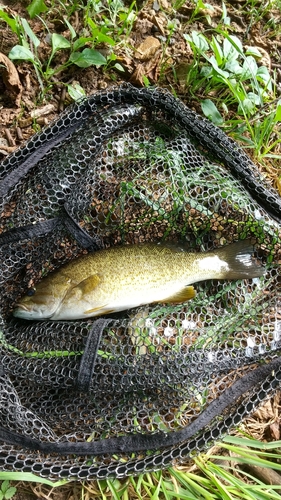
column 21, row 306
column 31, row 311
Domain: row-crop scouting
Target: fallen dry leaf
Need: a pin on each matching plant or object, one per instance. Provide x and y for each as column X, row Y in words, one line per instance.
column 160, row 23
column 46, row 110
column 275, row 430
column 10, row 78
column 164, row 4
column 265, row 412
column 150, row 69
column 143, row 26
column 147, row 48
column 137, row 75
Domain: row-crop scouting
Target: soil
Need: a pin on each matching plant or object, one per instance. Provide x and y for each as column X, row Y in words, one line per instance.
column 150, row 51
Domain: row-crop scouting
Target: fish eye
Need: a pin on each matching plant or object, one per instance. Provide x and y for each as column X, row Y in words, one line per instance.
column 30, row 292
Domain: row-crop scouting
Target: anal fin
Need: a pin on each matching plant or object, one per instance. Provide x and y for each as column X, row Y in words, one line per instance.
column 186, row 293
column 97, row 309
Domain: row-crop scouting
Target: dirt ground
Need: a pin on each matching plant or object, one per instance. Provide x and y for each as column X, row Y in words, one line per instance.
column 151, row 50
column 154, row 49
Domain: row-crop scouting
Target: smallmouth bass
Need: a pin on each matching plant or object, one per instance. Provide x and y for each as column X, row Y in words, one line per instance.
column 123, row 277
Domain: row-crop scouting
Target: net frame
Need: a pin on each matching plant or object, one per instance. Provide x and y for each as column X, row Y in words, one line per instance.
column 130, row 165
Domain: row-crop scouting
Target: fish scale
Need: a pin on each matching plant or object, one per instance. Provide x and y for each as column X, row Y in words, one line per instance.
column 121, row 278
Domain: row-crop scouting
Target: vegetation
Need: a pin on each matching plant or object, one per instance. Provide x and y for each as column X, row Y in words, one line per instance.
column 229, row 475
column 228, row 78
column 6, row 491
column 225, row 74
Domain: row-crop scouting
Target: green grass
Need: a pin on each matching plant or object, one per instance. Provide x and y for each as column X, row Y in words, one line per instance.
column 242, row 86
column 234, row 89
column 107, row 23
column 214, row 476
column 236, row 92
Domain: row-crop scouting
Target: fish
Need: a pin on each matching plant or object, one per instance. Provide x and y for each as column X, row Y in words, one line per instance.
column 124, row 277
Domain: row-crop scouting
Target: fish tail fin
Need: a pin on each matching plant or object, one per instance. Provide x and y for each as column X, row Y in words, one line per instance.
column 240, row 261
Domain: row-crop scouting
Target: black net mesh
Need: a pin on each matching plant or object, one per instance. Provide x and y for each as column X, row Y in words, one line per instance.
column 128, row 166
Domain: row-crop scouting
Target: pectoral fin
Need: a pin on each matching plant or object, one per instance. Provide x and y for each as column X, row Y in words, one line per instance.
column 80, row 290
column 89, row 284
column 186, row 293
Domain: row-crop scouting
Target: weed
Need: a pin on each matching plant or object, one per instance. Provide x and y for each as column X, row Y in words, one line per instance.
column 228, row 66
column 36, row 7
column 263, row 131
column 239, row 85
column 6, row 490
column 240, row 90
column 257, row 11
column 81, row 50
column 199, row 8
column 84, row 59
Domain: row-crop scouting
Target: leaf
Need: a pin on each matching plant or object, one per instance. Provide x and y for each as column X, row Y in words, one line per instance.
column 10, row 492
column 119, row 67
column 236, row 43
column 277, row 117
column 9, row 20
column 211, row 111
column 36, row 7
column 218, row 70
column 247, row 106
column 224, row 107
column 91, row 23
column 198, row 41
column 253, row 51
column 102, row 38
column 230, row 51
column 30, row 33
column 225, row 17
column 250, row 68
column 59, row 42
column 206, row 71
column 29, row 476
column 112, row 57
column 255, row 98
column 5, row 485
column 97, row 35
column 81, row 42
column 76, row 91
column 70, row 27
column 89, row 57
column 21, row 53
column 264, row 76
column 234, row 67
column 217, row 50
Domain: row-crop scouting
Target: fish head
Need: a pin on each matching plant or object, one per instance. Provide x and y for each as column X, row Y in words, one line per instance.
column 39, row 304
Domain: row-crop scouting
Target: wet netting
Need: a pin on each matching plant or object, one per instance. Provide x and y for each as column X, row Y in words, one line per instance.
column 136, row 390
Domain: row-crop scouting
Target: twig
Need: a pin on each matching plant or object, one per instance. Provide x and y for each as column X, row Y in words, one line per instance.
column 9, row 138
